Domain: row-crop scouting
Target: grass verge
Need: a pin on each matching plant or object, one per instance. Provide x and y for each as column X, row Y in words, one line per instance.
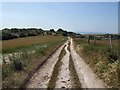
column 104, row 61
column 74, row 77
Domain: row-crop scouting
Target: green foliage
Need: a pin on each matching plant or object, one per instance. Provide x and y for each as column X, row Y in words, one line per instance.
column 16, row 33
column 24, row 54
column 22, row 35
column 91, row 37
column 7, row 70
column 17, row 64
column 7, row 34
column 112, row 55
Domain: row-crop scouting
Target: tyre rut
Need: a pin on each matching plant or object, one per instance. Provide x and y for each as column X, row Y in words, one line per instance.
column 64, row 74
column 65, row 69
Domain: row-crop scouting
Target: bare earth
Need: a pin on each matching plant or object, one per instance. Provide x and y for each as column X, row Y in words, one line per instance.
column 64, row 73
column 87, row 78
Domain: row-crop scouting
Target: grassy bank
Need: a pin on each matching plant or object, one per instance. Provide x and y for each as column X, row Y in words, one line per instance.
column 18, row 72
column 104, row 61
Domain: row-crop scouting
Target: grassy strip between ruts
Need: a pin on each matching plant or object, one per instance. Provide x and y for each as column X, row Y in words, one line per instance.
column 74, row 77
column 104, row 61
column 14, row 79
column 52, row 82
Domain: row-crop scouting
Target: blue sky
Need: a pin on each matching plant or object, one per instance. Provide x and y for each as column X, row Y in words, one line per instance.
column 71, row 16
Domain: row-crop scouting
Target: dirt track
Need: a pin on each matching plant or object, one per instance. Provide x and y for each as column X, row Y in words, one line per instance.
column 72, row 71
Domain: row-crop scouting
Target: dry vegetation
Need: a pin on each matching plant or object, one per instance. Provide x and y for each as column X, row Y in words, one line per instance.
column 28, row 41
column 19, row 71
column 104, row 61
column 107, row 42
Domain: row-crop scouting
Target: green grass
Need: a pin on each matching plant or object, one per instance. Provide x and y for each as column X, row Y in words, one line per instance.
column 12, row 77
column 102, row 59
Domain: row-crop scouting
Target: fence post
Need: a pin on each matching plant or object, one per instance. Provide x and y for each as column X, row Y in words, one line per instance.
column 94, row 39
column 110, row 41
column 88, row 39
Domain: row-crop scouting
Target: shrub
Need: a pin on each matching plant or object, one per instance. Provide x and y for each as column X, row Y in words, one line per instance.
column 24, row 54
column 6, row 71
column 17, row 64
column 112, row 55
column 22, row 35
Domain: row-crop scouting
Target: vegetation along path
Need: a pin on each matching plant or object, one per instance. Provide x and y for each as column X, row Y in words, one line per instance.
column 65, row 69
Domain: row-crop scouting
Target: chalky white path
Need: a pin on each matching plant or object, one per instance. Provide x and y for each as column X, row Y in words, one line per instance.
column 64, row 78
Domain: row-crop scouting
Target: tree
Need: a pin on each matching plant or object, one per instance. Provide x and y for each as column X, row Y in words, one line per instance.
column 65, row 33
column 52, row 30
column 22, row 35
column 60, row 31
column 6, row 34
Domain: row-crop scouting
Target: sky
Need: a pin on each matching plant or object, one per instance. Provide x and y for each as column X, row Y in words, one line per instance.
column 78, row 17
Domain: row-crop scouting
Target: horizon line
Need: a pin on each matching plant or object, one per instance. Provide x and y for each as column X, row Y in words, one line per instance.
column 79, row 32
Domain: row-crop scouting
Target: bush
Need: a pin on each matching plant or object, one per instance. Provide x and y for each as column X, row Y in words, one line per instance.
column 22, row 35
column 24, row 54
column 17, row 64
column 112, row 55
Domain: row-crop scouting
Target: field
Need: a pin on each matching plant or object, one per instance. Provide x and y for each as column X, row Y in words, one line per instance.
column 103, row 59
column 31, row 53
column 16, row 44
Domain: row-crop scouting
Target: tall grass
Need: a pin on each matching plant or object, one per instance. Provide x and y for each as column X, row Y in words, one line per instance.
column 103, row 60
column 9, row 46
column 22, row 66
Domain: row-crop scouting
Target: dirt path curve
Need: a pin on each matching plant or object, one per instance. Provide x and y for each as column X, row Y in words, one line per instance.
column 80, row 74
column 64, row 79
column 41, row 78
column 86, row 76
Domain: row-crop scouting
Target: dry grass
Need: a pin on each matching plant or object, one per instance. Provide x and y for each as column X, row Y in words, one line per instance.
column 28, row 41
column 20, row 78
column 107, row 42
column 99, row 59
